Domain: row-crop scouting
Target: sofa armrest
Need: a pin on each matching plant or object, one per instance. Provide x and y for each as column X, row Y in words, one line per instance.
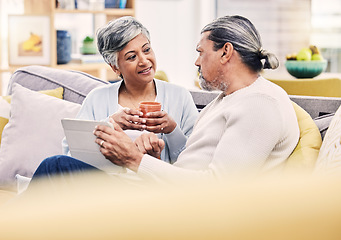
column 202, row 98
column 321, row 109
column 76, row 84
column 317, row 106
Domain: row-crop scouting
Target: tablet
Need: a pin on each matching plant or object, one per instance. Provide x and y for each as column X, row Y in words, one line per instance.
column 81, row 140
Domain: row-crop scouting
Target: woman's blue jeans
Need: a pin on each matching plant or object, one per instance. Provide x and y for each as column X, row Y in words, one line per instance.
column 61, row 165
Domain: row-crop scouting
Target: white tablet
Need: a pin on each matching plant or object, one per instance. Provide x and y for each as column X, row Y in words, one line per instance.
column 81, row 140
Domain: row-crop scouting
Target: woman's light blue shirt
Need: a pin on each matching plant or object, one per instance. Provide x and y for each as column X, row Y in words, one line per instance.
column 102, row 102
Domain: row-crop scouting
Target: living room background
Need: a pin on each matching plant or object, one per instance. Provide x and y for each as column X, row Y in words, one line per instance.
column 285, row 26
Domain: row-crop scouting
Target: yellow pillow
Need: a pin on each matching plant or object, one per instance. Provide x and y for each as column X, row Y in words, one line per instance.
column 161, row 75
column 6, row 100
column 306, row 152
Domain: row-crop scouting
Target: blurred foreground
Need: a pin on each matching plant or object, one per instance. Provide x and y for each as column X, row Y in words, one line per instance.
column 91, row 207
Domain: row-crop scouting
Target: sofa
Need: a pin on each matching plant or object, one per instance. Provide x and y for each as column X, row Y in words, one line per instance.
column 68, row 90
column 34, row 132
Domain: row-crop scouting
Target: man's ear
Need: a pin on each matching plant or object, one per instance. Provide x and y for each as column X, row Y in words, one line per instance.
column 227, row 52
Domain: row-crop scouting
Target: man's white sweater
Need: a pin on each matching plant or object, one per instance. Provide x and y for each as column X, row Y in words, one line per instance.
column 254, row 128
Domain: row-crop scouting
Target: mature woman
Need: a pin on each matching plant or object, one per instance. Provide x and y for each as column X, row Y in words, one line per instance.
column 125, row 46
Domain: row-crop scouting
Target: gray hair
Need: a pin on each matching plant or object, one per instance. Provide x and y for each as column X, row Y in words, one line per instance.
column 244, row 37
column 114, row 36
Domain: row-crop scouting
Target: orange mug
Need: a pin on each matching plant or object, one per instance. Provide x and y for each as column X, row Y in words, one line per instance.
column 146, row 107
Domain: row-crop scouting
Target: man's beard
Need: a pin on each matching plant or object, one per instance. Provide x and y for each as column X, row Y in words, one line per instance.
column 212, row 86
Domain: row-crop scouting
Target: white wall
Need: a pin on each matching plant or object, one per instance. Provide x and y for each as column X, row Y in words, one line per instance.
column 175, row 27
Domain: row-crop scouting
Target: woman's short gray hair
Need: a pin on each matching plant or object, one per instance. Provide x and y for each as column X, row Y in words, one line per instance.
column 114, row 36
column 244, row 37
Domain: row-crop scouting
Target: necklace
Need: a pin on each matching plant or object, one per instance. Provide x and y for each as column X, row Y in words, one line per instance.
column 131, row 100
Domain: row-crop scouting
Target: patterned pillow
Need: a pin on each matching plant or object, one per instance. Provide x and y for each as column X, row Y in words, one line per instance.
column 329, row 158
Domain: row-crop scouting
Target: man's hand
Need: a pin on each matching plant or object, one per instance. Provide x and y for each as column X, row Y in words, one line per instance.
column 149, row 143
column 117, row 147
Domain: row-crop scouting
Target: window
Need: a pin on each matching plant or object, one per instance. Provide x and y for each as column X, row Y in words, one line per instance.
column 326, row 31
column 288, row 25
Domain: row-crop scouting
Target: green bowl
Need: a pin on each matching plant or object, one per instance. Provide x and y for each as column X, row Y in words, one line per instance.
column 305, row 69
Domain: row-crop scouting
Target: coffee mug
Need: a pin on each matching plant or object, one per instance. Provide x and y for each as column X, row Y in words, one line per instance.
column 146, row 107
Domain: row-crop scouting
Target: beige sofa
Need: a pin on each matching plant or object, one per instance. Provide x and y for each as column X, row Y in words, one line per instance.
column 24, row 146
column 297, row 206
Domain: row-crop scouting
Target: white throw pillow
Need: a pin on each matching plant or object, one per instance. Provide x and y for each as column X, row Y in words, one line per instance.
column 33, row 133
column 22, row 183
column 5, row 108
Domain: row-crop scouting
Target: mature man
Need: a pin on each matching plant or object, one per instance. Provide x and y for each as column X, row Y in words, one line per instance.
column 251, row 125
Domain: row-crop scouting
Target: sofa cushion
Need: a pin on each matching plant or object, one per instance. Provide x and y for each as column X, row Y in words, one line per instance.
column 306, row 152
column 5, row 107
column 34, row 132
column 329, row 159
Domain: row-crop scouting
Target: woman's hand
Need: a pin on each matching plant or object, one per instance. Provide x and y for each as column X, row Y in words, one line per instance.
column 159, row 122
column 149, row 143
column 117, row 147
column 128, row 118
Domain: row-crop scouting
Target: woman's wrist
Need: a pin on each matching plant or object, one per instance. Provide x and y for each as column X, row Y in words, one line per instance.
column 171, row 128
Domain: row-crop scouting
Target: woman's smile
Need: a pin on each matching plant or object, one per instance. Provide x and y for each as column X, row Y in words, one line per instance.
column 145, row 71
